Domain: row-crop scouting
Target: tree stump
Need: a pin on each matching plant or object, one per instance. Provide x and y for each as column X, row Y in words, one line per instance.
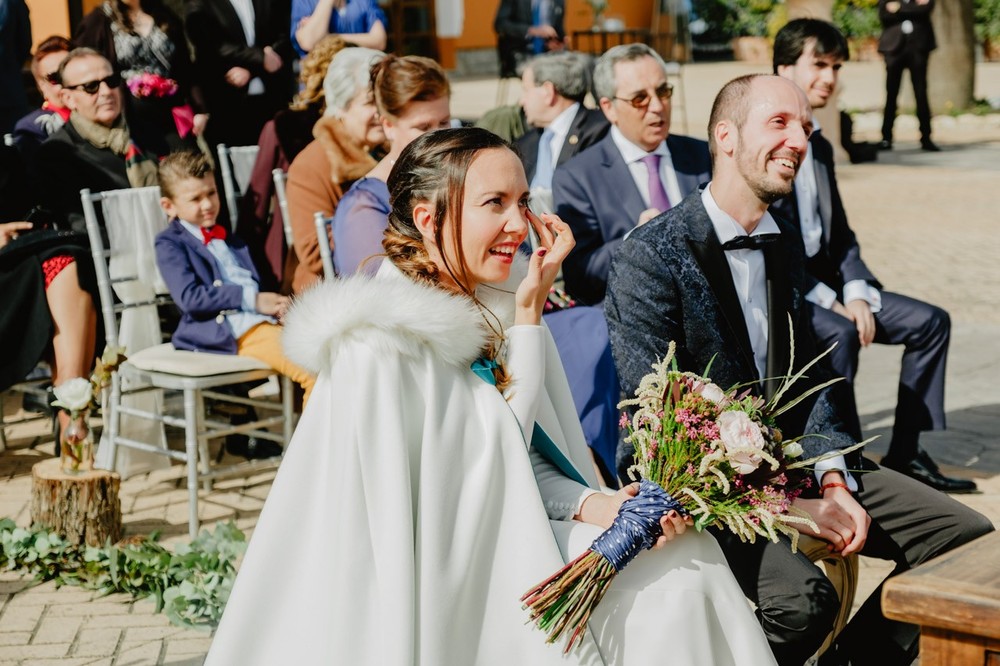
column 83, row 508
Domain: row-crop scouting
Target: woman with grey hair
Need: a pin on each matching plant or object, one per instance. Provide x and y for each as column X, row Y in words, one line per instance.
column 339, row 155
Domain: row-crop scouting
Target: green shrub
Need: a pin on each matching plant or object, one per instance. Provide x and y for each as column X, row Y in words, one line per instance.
column 857, row 19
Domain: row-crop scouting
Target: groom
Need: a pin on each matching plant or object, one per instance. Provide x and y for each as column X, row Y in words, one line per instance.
column 721, row 277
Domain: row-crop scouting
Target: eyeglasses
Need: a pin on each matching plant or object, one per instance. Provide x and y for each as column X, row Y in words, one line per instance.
column 52, row 77
column 642, row 100
column 91, row 87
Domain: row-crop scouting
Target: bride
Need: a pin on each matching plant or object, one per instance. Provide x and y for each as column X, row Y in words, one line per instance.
column 415, row 504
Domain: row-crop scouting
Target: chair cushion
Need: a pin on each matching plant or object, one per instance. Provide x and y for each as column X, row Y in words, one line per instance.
column 164, row 358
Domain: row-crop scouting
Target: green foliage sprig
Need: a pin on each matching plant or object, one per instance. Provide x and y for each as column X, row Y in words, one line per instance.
column 191, row 584
column 987, row 19
column 857, row 18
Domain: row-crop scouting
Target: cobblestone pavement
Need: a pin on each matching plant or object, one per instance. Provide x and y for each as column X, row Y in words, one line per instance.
column 927, row 224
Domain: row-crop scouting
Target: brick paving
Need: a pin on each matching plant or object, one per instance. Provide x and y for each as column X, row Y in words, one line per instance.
column 926, row 223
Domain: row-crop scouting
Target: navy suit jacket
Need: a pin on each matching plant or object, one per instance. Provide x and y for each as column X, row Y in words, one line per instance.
column 589, row 126
column 839, row 259
column 192, row 274
column 670, row 281
column 595, row 194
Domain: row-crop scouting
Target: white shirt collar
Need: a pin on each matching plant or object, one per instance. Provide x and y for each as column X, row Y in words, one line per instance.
column 727, row 228
column 560, row 124
column 631, row 152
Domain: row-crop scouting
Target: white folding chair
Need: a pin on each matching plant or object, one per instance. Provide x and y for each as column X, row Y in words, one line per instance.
column 236, row 165
column 128, row 269
column 323, row 240
column 280, row 178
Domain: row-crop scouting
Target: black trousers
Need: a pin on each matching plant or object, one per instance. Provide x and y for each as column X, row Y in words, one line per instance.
column 924, row 330
column 895, row 63
column 796, row 603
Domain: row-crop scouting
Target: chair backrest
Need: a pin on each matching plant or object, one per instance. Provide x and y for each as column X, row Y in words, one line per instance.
column 236, row 165
column 125, row 263
column 280, row 178
column 323, row 240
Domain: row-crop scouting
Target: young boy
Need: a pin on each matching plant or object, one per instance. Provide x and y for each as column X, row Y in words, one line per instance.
column 211, row 277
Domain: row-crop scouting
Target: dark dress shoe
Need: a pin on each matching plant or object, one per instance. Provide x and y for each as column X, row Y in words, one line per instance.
column 923, row 469
column 929, row 146
column 885, row 145
column 252, row 448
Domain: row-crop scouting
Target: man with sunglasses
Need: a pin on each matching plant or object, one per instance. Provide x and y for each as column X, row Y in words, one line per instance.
column 93, row 149
column 638, row 171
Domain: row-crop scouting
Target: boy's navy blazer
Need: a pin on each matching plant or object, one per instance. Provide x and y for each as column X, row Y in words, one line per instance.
column 192, row 274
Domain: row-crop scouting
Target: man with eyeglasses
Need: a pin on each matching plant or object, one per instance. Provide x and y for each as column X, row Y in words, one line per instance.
column 93, row 149
column 638, row 171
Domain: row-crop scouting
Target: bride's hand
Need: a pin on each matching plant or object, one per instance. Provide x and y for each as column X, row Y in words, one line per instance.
column 601, row 510
column 555, row 242
column 672, row 524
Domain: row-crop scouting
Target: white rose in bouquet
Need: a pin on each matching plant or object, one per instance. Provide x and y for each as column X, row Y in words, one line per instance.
column 792, row 450
column 74, row 395
column 712, row 392
column 741, row 438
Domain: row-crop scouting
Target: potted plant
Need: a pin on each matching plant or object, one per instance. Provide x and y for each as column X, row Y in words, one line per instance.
column 987, row 26
column 858, row 20
column 750, row 23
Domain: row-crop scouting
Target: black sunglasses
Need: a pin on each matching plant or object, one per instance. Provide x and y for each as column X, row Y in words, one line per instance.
column 91, row 87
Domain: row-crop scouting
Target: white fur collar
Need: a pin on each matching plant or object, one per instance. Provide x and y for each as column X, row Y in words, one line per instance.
column 394, row 314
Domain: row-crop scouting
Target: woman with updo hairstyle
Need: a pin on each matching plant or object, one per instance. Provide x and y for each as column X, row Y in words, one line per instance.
column 340, row 154
column 412, row 96
column 439, row 470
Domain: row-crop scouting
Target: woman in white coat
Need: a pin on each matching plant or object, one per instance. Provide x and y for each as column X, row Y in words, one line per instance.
column 416, row 502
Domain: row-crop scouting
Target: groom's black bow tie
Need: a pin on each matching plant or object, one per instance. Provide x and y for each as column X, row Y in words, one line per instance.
column 758, row 242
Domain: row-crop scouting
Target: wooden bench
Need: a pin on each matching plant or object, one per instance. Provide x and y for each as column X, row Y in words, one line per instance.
column 955, row 599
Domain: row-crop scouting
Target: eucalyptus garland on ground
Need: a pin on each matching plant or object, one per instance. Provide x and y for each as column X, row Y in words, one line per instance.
column 190, row 584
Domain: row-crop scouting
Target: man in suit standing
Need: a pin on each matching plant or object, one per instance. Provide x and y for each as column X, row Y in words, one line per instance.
column 636, row 172
column 528, row 27
column 906, row 43
column 846, row 302
column 721, row 277
column 552, row 98
column 244, row 56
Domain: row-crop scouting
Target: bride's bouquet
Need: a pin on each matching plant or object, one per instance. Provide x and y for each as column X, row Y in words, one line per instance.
column 710, row 454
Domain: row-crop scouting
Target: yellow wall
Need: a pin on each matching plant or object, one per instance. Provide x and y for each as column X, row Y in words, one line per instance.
column 48, row 17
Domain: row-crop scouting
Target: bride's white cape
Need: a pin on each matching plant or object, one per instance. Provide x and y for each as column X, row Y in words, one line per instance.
column 406, row 520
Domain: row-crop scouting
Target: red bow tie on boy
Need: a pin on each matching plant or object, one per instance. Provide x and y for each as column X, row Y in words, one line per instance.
column 213, row 232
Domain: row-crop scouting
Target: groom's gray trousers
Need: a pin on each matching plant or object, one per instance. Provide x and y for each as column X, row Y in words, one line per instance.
column 796, row 602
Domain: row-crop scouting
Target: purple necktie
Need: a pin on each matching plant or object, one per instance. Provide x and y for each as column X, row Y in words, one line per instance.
column 658, row 198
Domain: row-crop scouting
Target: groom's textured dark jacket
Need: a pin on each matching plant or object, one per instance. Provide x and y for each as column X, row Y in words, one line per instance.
column 670, row 281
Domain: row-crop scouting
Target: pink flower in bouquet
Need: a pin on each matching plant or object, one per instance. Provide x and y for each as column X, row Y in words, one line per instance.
column 743, row 441
column 151, row 85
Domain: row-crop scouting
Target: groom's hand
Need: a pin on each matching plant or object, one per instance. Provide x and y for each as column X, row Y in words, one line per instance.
column 840, row 519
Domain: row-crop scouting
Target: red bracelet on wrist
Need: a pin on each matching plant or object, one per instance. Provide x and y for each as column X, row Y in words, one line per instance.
column 835, row 484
